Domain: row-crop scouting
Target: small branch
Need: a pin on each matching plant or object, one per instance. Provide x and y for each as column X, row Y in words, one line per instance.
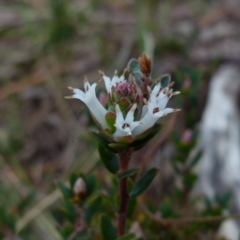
column 124, row 158
column 186, row 220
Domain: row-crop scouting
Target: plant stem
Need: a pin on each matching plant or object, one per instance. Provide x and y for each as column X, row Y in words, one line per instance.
column 124, row 158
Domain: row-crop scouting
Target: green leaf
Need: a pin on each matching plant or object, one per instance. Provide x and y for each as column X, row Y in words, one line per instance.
column 103, row 139
column 91, row 183
column 138, row 144
column 107, row 229
column 195, row 159
column 130, row 236
column 108, row 158
column 109, row 202
column 127, row 173
column 189, row 179
column 73, row 178
column 167, row 209
column 135, row 69
column 69, row 211
column 131, row 207
column 67, row 193
column 165, row 80
column 144, row 182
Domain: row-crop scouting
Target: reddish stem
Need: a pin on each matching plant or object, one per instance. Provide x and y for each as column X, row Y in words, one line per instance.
column 124, row 158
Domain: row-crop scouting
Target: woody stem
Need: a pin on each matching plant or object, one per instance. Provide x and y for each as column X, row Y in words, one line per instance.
column 124, row 158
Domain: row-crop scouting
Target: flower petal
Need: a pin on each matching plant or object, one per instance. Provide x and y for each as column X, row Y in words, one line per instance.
column 107, row 82
column 130, row 114
column 89, row 98
column 119, row 119
column 156, row 89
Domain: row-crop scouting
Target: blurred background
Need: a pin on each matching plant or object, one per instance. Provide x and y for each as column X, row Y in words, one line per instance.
column 46, row 46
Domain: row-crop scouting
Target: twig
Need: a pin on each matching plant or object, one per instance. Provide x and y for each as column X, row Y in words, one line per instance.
column 124, row 158
column 186, row 220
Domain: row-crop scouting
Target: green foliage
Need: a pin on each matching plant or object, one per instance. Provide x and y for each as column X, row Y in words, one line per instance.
column 7, row 220
column 127, row 173
column 67, row 193
column 144, row 182
column 26, row 178
column 135, row 70
column 165, row 80
column 108, row 158
column 107, row 229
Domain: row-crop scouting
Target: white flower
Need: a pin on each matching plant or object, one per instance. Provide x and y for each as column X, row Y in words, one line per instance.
column 124, row 127
column 156, row 108
column 89, row 98
column 111, row 83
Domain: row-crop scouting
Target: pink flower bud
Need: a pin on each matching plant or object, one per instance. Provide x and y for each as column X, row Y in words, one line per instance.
column 186, row 136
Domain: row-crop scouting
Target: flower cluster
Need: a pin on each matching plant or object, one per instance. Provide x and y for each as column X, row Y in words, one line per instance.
column 128, row 115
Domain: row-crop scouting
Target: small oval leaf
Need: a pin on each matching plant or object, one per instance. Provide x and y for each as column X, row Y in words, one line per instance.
column 108, row 158
column 127, row 173
column 67, row 193
column 107, row 229
column 144, row 182
column 165, row 80
column 136, row 71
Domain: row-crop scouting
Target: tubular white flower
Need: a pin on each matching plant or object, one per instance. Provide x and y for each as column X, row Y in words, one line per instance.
column 90, row 99
column 111, row 83
column 124, row 127
column 153, row 113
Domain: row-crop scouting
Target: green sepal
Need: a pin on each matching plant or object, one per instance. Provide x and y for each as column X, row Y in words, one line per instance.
column 116, row 95
column 138, row 144
column 111, row 108
column 124, row 104
column 130, row 236
column 126, row 140
column 127, row 173
column 117, row 146
column 109, row 159
column 135, row 70
column 108, row 231
column 144, row 182
column 111, row 119
column 165, row 80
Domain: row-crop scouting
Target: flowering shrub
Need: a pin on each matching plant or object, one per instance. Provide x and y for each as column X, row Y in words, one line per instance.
column 97, row 206
column 135, row 103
